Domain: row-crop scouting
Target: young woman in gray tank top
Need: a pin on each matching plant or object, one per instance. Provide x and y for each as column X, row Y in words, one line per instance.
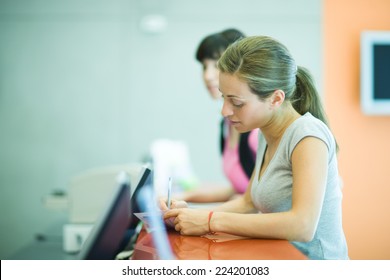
column 294, row 192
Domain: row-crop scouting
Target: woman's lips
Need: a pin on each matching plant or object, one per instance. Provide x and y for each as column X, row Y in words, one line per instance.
column 233, row 122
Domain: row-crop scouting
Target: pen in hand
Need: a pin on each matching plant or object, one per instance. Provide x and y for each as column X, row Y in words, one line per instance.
column 169, row 192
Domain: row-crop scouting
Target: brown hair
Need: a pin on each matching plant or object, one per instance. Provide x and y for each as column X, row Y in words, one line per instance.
column 266, row 65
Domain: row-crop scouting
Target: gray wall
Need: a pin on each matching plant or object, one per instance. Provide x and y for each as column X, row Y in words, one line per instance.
column 82, row 86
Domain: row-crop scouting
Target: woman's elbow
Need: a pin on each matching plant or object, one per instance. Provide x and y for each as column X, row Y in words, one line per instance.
column 305, row 237
column 304, row 232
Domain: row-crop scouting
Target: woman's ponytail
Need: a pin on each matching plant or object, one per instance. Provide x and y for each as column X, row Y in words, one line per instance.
column 305, row 97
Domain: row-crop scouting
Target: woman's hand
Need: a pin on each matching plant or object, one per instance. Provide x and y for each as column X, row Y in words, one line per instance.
column 188, row 221
column 174, row 204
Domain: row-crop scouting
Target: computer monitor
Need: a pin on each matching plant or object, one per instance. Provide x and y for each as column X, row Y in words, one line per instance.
column 145, row 179
column 106, row 237
column 375, row 72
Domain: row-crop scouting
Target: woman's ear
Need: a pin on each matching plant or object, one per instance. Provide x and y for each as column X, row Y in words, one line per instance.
column 277, row 98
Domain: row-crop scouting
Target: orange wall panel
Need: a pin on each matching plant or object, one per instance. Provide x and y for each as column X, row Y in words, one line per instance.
column 364, row 140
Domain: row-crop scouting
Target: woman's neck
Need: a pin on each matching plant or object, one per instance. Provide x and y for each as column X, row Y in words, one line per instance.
column 281, row 120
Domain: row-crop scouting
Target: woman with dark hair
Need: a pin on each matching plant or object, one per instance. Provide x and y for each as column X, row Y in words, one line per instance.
column 238, row 150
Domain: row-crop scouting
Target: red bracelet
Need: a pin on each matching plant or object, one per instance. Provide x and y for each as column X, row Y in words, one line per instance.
column 209, row 222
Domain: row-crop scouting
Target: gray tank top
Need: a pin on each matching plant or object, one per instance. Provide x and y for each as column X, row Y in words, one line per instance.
column 273, row 193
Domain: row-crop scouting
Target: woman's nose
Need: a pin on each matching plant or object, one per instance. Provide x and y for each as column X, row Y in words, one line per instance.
column 226, row 110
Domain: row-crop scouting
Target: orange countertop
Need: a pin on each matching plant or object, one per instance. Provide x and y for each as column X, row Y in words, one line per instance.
column 219, row 246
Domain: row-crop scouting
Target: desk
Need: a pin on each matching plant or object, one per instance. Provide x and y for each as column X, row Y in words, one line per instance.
column 218, row 247
column 43, row 250
column 47, row 245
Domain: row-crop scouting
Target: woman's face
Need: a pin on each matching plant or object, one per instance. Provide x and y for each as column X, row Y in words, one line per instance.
column 244, row 110
column 211, row 77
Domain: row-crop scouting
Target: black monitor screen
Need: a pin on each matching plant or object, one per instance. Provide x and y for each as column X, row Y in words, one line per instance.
column 105, row 239
column 381, row 71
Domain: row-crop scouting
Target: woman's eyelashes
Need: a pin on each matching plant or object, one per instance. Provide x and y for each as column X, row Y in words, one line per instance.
column 236, row 103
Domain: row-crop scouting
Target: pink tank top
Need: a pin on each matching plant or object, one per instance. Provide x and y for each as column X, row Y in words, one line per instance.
column 232, row 166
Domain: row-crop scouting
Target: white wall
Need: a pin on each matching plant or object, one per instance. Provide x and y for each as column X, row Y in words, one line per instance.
column 81, row 86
